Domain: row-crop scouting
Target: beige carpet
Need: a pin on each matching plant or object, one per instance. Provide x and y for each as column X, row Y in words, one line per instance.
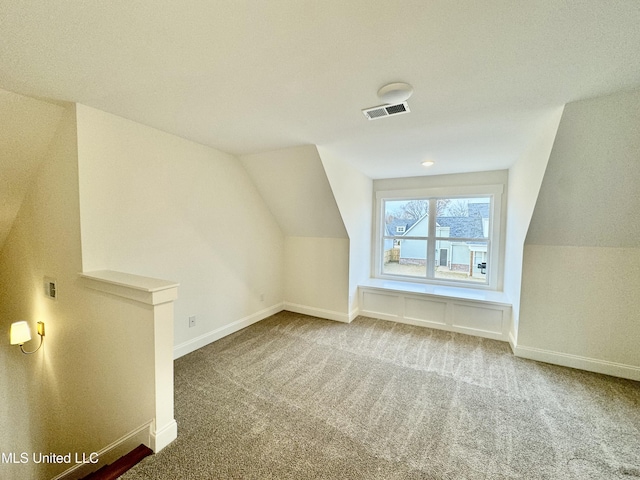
column 302, row 398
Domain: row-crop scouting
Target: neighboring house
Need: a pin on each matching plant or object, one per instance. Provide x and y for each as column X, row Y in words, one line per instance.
column 399, row 226
column 395, row 227
column 478, row 210
column 460, row 256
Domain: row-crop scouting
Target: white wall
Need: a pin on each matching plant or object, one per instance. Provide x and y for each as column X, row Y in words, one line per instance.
column 525, row 178
column 353, row 192
column 317, row 276
column 294, row 185
column 581, row 271
column 580, row 305
column 157, row 205
column 78, row 393
column 28, row 126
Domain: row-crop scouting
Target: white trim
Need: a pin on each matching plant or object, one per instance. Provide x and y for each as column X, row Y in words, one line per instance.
column 195, row 343
column 512, row 341
column 158, row 439
column 391, row 302
column 495, row 240
column 606, row 367
column 152, row 291
column 111, row 452
column 209, row 337
column 467, row 190
column 445, row 291
column 318, row 312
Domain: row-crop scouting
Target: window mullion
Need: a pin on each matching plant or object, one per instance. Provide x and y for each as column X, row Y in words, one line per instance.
column 406, row 253
column 431, row 244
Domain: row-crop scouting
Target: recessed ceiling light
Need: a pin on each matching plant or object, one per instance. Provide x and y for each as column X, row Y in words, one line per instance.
column 397, row 92
column 428, row 163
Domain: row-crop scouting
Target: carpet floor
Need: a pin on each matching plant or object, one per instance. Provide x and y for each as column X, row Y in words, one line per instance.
column 302, row 398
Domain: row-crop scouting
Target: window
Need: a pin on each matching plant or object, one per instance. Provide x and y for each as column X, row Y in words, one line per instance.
column 447, row 236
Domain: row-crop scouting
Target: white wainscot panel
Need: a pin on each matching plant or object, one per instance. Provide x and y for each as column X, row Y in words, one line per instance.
column 476, row 317
column 424, row 310
column 381, row 305
column 484, row 314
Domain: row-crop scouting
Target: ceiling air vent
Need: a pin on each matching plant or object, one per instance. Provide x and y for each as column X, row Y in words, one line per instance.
column 382, row 111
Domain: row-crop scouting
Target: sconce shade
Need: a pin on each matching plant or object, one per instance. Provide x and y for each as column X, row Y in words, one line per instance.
column 20, row 333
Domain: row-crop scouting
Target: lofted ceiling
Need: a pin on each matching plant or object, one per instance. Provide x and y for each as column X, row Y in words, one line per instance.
column 27, row 127
column 249, row 76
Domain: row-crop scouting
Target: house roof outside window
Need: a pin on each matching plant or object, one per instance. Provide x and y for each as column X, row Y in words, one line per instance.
column 459, row 227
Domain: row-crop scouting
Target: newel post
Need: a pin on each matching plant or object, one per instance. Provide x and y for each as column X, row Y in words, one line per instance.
column 160, row 295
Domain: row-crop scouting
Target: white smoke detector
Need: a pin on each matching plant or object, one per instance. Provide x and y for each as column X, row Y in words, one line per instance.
column 394, row 93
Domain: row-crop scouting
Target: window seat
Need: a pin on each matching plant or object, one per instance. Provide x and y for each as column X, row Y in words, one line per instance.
column 483, row 313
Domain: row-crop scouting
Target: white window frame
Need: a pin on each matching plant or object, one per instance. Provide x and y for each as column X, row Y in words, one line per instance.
column 493, row 239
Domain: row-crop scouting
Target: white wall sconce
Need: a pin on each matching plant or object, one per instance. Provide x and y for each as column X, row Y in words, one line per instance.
column 21, row 334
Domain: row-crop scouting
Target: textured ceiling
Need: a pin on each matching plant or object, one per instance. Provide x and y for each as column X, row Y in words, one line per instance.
column 27, row 127
column 253, row 76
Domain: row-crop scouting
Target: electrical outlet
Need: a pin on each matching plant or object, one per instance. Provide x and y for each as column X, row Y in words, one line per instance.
column 192, row 321
column 50, row 287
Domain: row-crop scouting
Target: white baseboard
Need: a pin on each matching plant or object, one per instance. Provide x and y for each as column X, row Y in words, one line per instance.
column 110, row 453
column 575, row 361
column 209, row 337
column 205, row 339
column 353, row 314
column 318, row 312
column 512, row 342
column 158, row 439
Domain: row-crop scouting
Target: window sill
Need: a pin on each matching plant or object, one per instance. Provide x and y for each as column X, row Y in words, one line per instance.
column 460, row 293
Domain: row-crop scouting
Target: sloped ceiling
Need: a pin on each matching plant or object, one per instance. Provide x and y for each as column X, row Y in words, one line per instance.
column 27, row 127
column 254, row 76
column 590, row 193
column 294, row 185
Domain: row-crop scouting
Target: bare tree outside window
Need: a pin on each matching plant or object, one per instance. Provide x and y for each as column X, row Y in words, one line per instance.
column 416, row 209
column 458, row 208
